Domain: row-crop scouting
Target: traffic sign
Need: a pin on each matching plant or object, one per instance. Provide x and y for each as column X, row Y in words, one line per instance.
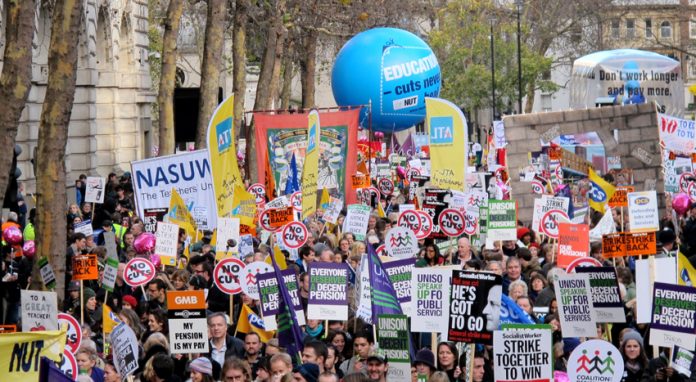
column 295, row 235
column 226, row 275
column 452, row 222
column 139, row 271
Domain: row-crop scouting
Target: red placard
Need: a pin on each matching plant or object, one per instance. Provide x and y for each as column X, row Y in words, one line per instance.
column 573, row 243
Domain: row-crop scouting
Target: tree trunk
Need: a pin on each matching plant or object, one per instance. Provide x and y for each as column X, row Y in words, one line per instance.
column 210, row 68
column 286, row 91
column 165, row 98
column 308, row 63
column 15, row 80
column 531, row 92
column 51, row 227
column 239, row 61
column 274, row 39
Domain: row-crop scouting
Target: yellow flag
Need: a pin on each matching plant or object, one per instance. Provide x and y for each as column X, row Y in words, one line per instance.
column 180, row 215
column 244, row 206
column 446, row 125
column 686, row 274
column 20, row 353
column 310, row 171
column 251, row 322
column 325, row 199
column 279, row 258
column 109, row 319
column 380, row 210
column 600, row 192
column 223, row 155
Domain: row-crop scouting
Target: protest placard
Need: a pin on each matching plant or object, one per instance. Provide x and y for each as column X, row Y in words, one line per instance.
column 356, row 220
column 84, row 227
column 333, row 210
column 604, row 289
column 399, row 272
column 595, row 360
column 545, row 204
column 642, row 211
column 39, row 310
column 573, row 242
column 188, row 329
column 110, row 273
column 167, row 242
column 139, row 271
column 270, row 297
column 575, row 311
column 47, row 275
column 248, row 275
column 502, row 220
column 278, row 217
column 227, row 229
column 328, row 291
column 73, row 335
column 682, row 361
column 393, row 339
column 647, row 272
column 620, row 197
column 474, row 311
column 673, row 323
column 124, row 345
column 360, row 181
column 523, row 353
column 430, row 291
column 401, row 243
column 153, row 215
column 94, row 189
column 84, row 267
column 639, row 244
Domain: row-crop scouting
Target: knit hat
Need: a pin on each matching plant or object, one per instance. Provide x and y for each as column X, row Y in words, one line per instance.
column 632, row 335
column 308, row 371
column 521, row 232
column 202, row 365
column 426, row 357
column 130, row 300
column 87, row 293
column 74, row 286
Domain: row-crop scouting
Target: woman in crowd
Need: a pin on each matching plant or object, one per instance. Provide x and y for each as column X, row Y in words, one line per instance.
column 430, row 258
column 110, row 373
column 447, row 356
column 86, row 358
column 633, row 353
column 425, row 363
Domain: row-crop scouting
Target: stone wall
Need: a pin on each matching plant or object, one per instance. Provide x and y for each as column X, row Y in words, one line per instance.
column 637, row 144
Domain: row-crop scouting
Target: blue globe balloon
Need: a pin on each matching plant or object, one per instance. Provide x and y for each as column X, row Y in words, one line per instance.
column 391, row 67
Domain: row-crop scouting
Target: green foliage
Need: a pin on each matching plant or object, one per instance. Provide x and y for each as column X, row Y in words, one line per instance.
column 462, row 45
column 156, row 12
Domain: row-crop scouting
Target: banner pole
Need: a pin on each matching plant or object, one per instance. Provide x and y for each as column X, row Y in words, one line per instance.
column 232, row 320
column 82, row 305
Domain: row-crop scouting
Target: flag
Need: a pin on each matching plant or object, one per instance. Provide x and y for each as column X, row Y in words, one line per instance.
column 20, row 353
column 292, row 184
column 244, row 206
column 395, row 147
column 180, row 215
column 310, row 171
column 408, row 148
column 289, row 333
column 49, row 372
column 249, row 322
column 384, row 299
column 269, row 181
column 362, row 168
column 222, row 152
column 564, row 192
column 511, row 313
column 600, row 192
column 448, row 143
column 109, row 319
column 685, row 271
column 325, row 199
column 380, row 210
column 279, row 259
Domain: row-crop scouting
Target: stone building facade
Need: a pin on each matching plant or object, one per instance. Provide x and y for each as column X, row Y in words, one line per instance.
column 111, row 117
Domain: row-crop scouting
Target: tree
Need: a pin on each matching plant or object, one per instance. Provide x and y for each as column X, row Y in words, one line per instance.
column 239, row 34
column 165, row 97
column 15, row 80
column 210, row 67
column 51, row 226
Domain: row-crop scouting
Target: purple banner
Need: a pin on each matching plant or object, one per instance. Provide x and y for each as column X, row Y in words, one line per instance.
column 674, row 307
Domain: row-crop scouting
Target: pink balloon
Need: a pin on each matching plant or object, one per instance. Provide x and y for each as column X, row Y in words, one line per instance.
column 156, row 261
column 560, row 376
column 29, row 248
column 401, row 172
column 363, row 140
column 681, row 203
column 12, row 235
column 145, row 242
column 379, row 135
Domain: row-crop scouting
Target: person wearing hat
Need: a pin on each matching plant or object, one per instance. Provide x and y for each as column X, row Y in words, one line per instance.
column 92, row 313
column 72, row 301
column 667, row 242
column 524, row 235
column 633, row 353
column 129, row 302
column 307, row 372
column 424, row 363
column 377, row 366
column 201, row 370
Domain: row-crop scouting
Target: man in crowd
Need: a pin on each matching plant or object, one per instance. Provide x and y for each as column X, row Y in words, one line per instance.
column 377, row 366
column 252, row 351
column 315, row 352
column 222, row 345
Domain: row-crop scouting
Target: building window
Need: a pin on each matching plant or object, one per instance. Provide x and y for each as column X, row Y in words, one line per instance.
column 630, row 28
column 666, row 29
column 546, row 102
column 615, row 29
column 648, row 28
column 692, row 28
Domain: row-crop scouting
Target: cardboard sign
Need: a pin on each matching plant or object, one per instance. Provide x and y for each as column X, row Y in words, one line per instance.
column 328, row 291
column 595, row 360
column 393, row 337
column 95, row 189
column 399, row 272
column 124, row 345
column 648, row 272
column 673, row 310
column 84, row 267
column 620, row 197
column 295, row 235
column 613, row 245
column 682, row 359
column 188, row 329
column 356, row 220
column 39, row 310
column 474, row 312
column 167, row 243
column 248, row 278
column 629, row 244
column 84, row 227
column 642, row 211
column 74, row 331
column 227, row 229
column 523, row 353
column 502, row 220
column 604, row 287
column 333, row 210
column 47, row 275
column 573, row 242
column 277, row 218
column 110, row 273
column 545, row 204
column 575, row 311
column 227, row 273
column 6, row 329
column 401, row 243
column 430, row 294
column 360, row 181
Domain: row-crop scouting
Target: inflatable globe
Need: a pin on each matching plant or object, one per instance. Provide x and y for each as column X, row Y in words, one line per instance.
column 391, row 67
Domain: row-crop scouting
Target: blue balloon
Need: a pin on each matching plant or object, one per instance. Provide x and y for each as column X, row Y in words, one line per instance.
column 391, row 67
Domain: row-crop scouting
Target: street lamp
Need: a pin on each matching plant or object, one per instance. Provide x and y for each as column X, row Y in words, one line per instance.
column 519, row 4
column 492, row 20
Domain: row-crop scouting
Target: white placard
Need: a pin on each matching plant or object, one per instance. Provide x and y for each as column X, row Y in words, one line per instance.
column 663, row 270
column 531, row 359
column 642, row 211
column 575, row 312
column 188, row 335
column 84, row 228
column 401, row 243
column 124, row 346
column 95, row 189
column 227, row 229
column 39, row 310
column 356, row 220
column 430, row 290
column 545, row 204
column 167, row 236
